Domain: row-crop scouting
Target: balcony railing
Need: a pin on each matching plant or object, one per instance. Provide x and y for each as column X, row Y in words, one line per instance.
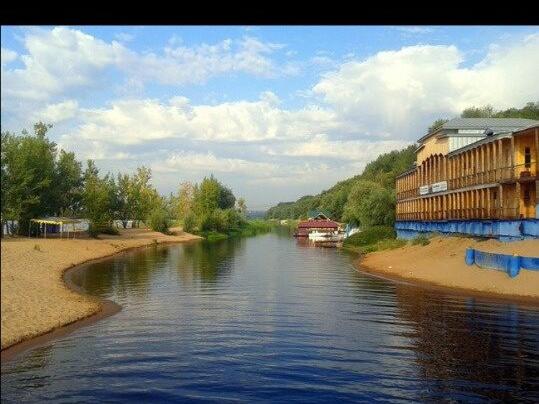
column 462, row 214
column 503, row 174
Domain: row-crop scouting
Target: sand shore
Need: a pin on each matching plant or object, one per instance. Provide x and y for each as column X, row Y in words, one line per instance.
column 441, row 263
column 34, row 297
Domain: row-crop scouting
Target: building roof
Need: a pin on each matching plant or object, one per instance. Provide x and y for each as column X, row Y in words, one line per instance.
column 318, row 224
column 55, row 220
column 315, row 212
column 496, row 124
column 488, row 139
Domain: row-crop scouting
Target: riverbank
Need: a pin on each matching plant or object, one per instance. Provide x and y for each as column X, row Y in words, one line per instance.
column 441, row 263
column 34, row 297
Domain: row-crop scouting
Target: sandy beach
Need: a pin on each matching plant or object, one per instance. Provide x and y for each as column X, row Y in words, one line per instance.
column 34, row 296
column 441, row 263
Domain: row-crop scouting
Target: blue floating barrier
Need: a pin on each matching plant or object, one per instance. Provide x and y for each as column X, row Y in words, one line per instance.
column 514, row 266
column 470, row 256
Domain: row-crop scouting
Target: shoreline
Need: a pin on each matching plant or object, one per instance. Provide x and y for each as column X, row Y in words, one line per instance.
column 100, row 308
column 527, row 301
column 440, row 266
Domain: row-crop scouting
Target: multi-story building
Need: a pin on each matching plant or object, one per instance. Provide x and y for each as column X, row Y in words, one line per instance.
column 476, row 176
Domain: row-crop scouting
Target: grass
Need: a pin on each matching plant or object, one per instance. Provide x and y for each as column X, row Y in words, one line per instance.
column 376, row 238
column 422, row 239
column 370, row 235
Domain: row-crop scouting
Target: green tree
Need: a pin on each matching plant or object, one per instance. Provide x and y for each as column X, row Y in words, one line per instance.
column 28, row 181
column 207, row 196
column 68, row 184
column 378, row 208
column 186, row 195
column 437, row 124
column 486, row 111
column 353, row 209
column 227, row 200
column 242, row 207
column 98, row 197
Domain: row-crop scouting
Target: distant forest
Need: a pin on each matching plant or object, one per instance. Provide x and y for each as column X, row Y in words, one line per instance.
column 369, row 199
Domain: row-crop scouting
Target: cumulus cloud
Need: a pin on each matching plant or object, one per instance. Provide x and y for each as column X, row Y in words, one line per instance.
column 57, row 60
column 199, row 162
column 62, row 61
column 398, row 93
column 138, row 121
column 322, row 146
column 55, row 113
column 8, row 56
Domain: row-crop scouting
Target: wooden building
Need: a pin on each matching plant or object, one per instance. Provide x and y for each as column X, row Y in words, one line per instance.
column 473, row 170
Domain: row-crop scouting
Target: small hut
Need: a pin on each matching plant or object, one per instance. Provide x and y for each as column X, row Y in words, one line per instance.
column 57, row 225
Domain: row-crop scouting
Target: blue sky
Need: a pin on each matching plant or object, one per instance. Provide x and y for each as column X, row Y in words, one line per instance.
column 274, row 112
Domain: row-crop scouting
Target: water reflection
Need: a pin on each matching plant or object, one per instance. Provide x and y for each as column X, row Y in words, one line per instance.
column 125, row 274
column 208, row 261
column 461, row 344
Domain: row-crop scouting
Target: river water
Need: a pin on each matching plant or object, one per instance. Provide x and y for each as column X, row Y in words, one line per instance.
column 267, row 319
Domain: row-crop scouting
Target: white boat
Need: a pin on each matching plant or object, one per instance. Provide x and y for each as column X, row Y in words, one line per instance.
column 317, row 236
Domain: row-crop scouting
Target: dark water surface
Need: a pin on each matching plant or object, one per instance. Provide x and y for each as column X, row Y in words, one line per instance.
column 266, row 319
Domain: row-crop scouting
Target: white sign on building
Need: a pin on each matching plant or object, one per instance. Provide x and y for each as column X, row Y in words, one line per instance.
column 423, row 190
column 439, row 186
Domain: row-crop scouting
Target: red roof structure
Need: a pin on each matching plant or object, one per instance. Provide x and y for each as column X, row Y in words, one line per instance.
column 318, row 224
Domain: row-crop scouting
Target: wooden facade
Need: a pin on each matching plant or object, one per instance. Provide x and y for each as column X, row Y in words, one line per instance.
column 493, row 178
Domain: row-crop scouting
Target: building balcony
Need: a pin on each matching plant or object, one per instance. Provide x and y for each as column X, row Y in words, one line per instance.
column 521, row 173
column 463, row 214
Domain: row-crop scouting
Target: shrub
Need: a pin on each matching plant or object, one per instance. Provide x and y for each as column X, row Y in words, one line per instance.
column 370, row 235
column 95, row 229
column 190, row 223
column 159, row 220
column 422, row 239
column 108, row 229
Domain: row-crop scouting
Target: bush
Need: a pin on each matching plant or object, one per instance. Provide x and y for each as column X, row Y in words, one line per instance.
column 190, row 223
column 371, row 235
column 422, row 239
column 95, row 229
column 159, row 220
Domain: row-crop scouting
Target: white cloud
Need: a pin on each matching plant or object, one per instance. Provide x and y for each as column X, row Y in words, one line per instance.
column 397, row 94
column 63, row 58
column 7, row 56
column 183, row 64
column 139, row 121
column 55, row 113
column 322, row 146
column 209, row 163
column 57, row 60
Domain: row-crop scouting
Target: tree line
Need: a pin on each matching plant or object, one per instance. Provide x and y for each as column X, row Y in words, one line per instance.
column 39, row 180
column 368, row 199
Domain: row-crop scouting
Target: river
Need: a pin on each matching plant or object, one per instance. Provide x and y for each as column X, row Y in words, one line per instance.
column 267, row 319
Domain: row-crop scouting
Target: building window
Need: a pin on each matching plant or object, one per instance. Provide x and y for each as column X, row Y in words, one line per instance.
column 527, row 196
column 494, row 195
column 527, row 157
